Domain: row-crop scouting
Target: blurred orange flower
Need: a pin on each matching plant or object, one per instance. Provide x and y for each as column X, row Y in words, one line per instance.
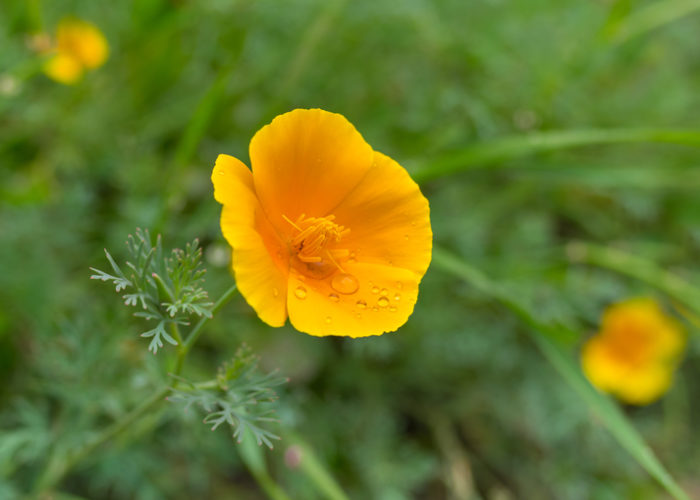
column 635, row 353
column 324, row 229
column 79, row 46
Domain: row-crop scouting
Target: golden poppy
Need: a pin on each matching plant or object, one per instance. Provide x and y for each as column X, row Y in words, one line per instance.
column 635, row 353
column 79, row 46
column 324, row 230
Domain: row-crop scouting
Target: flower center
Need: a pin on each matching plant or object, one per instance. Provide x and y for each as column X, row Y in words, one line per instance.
column 631, row 344
column 313, row 245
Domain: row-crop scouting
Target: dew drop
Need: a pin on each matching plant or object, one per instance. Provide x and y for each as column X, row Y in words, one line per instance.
column 361, row 304
column 333, row 297
column 375, row 309
column 358, row 315
column 392, row 309
column 300, row 292
column 383, row 302
column 345, row 283
column 275, row 292
column 328, row 320
column 405, row 237
column 384, row 292
column 375, row 289
column 221, row 172
column 397, row 296
column 352, row 257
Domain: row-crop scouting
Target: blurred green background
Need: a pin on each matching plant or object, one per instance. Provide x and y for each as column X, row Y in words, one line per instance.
column 459, row 403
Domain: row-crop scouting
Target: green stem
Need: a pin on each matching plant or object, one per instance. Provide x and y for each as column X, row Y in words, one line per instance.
column 175, row 330
column 272, row 489
column 56, row 469
column 310, row 465
column 187, row 344
column 253, row 458
column 197, row 330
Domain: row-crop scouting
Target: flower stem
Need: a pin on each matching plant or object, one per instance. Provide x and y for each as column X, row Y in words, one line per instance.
column 197, row 330
column 58, row 467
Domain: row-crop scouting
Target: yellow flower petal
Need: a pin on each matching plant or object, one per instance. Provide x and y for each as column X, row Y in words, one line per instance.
column 383, row 300
column 600, row 366
column 82, row 41
column 305, row 162
column 63, row 69
column 260, row 272
column 644, row 386
column 388, row 217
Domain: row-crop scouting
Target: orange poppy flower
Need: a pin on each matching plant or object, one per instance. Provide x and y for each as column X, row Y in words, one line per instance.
column 324, row 230
column 635, row 353
column 79, row 46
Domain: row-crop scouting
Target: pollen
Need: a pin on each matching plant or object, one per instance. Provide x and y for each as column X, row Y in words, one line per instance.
column 312, row 245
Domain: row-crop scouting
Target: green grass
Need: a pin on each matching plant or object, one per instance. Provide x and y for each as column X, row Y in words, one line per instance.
column 557, row 143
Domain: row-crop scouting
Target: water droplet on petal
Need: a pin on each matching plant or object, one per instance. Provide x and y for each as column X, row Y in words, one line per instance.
column 300, row 292
column 345, row 283
column 352, row 257
column 405, row 237
column 385, row 292
column 397, row 296
column 333, row 297
column 358, row 315
column 275, row 292
column 375, row 289
column 375, row 309
column 392, row 309
column 328, row 320
column 221, row 172
column 361, row 304
column 383, row 302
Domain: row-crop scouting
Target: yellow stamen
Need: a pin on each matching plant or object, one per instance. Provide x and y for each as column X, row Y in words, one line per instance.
column 310, row 245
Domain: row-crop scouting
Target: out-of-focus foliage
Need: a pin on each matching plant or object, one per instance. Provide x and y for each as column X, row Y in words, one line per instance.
column 459, row 398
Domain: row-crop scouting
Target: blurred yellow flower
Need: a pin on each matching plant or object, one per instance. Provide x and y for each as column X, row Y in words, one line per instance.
column 80, row 46
column 324, row 229
column 635, row 353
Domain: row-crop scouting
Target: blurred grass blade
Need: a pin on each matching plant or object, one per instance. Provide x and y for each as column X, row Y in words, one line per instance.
column 492, row 152
column 638, row 268
column 650, row 17
column 253, row 457
column 542, row 335
column 310, row 40
column 198, row 124
column 191, row 137
column 310, row 465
